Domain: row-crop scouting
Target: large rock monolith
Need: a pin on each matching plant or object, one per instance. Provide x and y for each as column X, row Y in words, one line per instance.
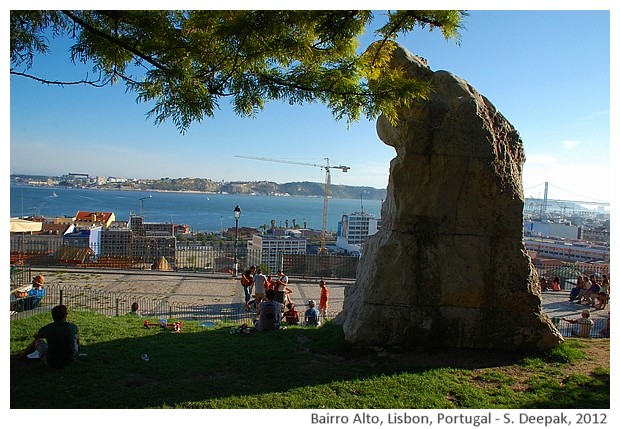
column 449, row 267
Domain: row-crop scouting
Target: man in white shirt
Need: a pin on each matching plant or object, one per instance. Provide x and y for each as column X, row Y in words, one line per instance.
column 584, row 324
column 281, row 284
column 259, row 288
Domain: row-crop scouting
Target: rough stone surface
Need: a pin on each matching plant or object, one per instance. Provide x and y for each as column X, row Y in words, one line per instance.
column 449, row 266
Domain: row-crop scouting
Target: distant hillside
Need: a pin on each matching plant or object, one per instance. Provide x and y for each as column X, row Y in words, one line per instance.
column 302, row 189
column 336, row 191
column 305, row 189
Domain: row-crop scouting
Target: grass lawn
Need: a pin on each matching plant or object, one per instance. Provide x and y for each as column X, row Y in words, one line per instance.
column 297, row 368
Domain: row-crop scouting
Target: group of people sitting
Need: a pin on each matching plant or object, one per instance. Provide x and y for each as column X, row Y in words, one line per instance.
column 272, row 301
column 272, row 314
column 588, row 291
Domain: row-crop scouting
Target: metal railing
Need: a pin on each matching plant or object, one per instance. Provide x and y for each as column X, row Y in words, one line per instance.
column 21, row 275
column 216, row 258
column 78, row 298
column 600, row 329
column 568, row 272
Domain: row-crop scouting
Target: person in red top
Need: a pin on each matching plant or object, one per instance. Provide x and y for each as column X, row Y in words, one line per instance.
column 324, row 300
column 269, row 283
column 291, row 315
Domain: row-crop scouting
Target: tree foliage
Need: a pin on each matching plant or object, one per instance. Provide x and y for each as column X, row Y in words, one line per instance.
column 186, row 62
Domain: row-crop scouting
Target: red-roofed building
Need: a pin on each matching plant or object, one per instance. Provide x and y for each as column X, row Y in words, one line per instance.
column 90, row 219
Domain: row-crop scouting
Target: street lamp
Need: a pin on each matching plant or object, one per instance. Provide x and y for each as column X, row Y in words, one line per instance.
column 237, row 213
column 142, row 205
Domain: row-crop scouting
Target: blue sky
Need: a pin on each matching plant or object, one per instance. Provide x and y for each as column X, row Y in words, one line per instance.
column 548, row 72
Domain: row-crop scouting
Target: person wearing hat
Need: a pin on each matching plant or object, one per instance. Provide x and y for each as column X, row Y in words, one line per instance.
column 311, row 316
column 34, row 295
column 584, row 324
column 57, row 343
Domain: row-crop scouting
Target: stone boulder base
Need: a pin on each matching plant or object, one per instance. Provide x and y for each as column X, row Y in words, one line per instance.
column 449, row 267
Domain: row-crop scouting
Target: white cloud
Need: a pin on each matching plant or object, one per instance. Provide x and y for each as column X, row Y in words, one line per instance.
column 541, row 160
column 570, row 144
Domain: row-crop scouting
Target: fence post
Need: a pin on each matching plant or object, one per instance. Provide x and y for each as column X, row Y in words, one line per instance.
column 117, row 306
column 60, row 296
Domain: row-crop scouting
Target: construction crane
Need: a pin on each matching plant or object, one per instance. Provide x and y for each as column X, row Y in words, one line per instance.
column 328, row 180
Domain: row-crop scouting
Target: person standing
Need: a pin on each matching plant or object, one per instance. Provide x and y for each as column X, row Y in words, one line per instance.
column 269, row 283
column 58, row 343
column 247, row 280
column 324, row 299
column 259, row 288
column 281, row 286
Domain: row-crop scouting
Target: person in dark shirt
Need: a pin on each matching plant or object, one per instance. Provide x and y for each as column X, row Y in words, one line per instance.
column 269, row 313
column 57, row 342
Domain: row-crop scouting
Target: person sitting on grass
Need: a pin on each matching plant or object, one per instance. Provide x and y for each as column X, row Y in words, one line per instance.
column 311, row 316
column 135, row 309
column 291, row 315
column 63, row 341
column 584, row 324
column 269, row 313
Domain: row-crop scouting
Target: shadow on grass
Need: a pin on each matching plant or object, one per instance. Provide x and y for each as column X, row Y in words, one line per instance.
column 213, row 368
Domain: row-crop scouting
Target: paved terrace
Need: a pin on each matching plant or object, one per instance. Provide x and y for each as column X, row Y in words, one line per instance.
column 204, row 289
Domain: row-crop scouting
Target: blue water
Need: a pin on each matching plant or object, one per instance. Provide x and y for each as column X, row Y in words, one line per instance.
column 202, row 212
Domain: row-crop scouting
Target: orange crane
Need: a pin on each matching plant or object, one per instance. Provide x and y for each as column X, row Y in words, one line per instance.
column 328, row 180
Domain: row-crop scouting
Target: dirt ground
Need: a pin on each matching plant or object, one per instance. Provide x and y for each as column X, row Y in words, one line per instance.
column 597, row 350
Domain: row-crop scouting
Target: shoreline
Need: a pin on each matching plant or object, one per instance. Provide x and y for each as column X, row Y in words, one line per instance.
column 181, row 191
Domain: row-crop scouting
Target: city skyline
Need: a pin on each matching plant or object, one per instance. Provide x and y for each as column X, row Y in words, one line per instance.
column 530, row 64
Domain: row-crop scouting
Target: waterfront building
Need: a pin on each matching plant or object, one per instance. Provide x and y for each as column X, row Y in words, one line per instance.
column 144, row 241
column 89, row 219
column 601, row 235
column 548, row 228
column 137, row 224
column 64, row 220
column 56, row 228
column 268, row 249
column 354, row 229
column 569, row 251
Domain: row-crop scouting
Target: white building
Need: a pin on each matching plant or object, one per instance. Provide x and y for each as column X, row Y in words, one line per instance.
column 353, row 230
column 268, row 249
column 547, row 228
column 572, row 251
